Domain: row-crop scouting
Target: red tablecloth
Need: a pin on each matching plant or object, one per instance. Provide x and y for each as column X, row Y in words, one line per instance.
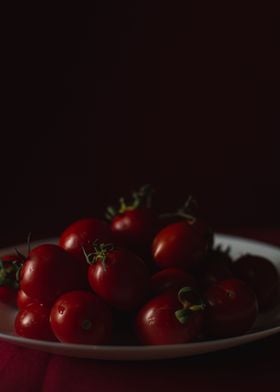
column 255, row 366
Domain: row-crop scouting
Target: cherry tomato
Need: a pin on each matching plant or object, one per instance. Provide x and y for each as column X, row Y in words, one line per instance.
column 216, row 266
column 134, row 229
column 182, row 244
column 260, row 274
column 134, row 224
column 23, row 299
column 33, row 322
column 8, row 279
column 119, row 277
column 81, row 317
column 232, row 308
column 171, row 318
column 170, row 278
column 50, row 271
column 81, row 234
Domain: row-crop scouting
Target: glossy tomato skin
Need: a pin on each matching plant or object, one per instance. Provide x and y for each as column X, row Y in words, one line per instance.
column 81, row 317
column 122, row 280
column 9, row 286
column 260, row 274
column 134, row 229
column 23, row 299
column 170, row 278
column 83, row 233
column 182, row 244
column 33, row 322
column 232, row 308
column 50, row 271
column 156, row 322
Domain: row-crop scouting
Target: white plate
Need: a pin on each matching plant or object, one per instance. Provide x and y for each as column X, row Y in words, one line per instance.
column 266, row 325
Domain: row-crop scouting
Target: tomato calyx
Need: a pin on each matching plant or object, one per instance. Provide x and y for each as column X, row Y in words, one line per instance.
column 187, row 211
column 140, row 198
column 100, row 252
column 191, row 303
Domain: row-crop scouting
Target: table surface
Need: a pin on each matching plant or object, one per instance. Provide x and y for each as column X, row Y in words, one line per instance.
column 255, row 365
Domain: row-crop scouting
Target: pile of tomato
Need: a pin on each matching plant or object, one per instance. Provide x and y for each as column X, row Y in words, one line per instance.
column 137, row 277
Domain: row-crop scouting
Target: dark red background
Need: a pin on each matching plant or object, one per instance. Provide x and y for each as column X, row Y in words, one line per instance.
column 97, row 102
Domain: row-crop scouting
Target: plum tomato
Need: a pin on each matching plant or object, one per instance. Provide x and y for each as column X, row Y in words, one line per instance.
column 182, row 244
column 232, row 308
column 260, row 274
column 81, row 317
column 173, row 317
column 23, row 299
column 50, row 271
column 118, row 276
column 215, row 266
column 170, row 278
column 134, row 225
column 33, row 322
column 9, row 266
column 81, row 234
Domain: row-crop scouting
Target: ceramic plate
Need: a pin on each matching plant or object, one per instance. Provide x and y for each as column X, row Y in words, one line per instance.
column 266, row 324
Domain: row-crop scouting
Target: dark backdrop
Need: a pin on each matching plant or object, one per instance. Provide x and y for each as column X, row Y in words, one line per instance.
column 97, row 102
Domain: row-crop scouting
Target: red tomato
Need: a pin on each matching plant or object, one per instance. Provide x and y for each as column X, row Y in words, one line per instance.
column 8, row 278
column 135, row 228
column 170, row 278
column 232, row 308
column 81, row 234
column 81, row 317
column 119, row 277
column 33, row 322
column 167, row 319
column 50, row 271
column 260, row 274
column 23, row 300
column 182, row 244
column 134, row 224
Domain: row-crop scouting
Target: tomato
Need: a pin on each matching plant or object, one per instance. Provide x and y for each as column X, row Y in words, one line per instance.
column 134, row 229
column 118, row 276
column 23, row 299
column 134, row 225
column 8, row 278
column 232, row 308
column 173, row 317
column 261, row 275
column 81, row 234
column 182, row 244
column 33, row 322
column 50, row 271
column 81, row 317
column 174, row 278
column 215, row 266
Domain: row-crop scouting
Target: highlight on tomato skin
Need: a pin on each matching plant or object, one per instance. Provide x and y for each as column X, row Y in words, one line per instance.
column 81, row 317
column 81, row 234
column 118, row 276
column 173, row 317
column 48, row 272
column 33, row 322
column 182, row 244
column 134, row 223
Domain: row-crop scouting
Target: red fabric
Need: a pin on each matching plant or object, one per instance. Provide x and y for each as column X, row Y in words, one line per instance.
column 255, row 366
